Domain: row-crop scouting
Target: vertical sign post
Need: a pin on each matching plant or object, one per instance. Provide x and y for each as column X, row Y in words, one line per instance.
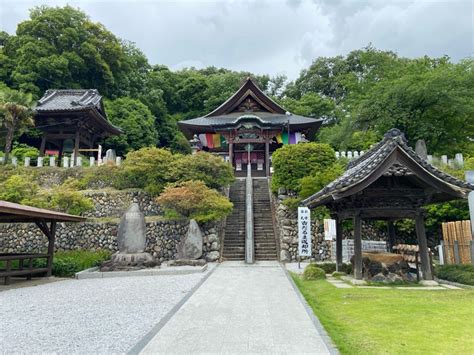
column 304, row 233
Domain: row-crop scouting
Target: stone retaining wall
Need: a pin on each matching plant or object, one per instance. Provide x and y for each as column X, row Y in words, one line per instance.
column 162, row 238
column 113, row 203
column 321, row 249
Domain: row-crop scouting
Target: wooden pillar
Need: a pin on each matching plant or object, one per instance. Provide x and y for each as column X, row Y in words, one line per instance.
column 60, row 152
column 76, row 146
column 267, row 157
column 51, row 238
column 391, row 235
column 231, row 153
column 50, row 233
column 357, row 248
column 338, row 244
column 43, row 145
column 423, row 245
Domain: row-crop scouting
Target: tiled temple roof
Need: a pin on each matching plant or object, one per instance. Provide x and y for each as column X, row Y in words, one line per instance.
column 361, row 168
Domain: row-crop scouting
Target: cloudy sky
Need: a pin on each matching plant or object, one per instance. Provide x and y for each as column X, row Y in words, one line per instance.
column 273, row 37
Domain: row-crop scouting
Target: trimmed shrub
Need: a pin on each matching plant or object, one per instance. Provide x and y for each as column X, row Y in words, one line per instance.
column 18, row 188
column 206, row 167
column 67, row 263
column 313, row 272
column 21, row 151
column 329, row 268
column 293, row 162
column 463, row 274
column 147, row 168
column 193, row 199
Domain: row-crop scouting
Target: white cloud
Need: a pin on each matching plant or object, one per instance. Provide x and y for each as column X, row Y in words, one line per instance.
column 273, row 36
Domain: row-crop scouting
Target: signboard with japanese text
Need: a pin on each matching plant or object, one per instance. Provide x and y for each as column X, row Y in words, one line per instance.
column 329, row 229
column 304, row 231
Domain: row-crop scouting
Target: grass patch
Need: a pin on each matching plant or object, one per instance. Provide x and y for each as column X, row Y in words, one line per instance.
column 457, row 273
column 372, row 321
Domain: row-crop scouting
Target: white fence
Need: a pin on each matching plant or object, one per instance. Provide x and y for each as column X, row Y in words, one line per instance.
column 66, row 162
column 457, row 162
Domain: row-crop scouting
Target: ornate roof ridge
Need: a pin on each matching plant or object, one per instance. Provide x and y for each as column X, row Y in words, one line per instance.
column 358, row 169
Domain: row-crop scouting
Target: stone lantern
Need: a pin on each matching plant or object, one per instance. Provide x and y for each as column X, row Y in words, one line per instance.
column 195, row 144
column 303, row 139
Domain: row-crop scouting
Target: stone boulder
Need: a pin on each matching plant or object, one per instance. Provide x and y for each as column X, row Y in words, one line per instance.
column 384, row 267
column 191, row 245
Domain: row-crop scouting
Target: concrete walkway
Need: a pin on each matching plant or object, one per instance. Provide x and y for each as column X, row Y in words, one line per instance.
column 241, row 309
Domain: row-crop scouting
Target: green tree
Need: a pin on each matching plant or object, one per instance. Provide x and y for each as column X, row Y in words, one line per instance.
column 435, row 105
column 136, row 121
column 15, row 114
column 60, row 47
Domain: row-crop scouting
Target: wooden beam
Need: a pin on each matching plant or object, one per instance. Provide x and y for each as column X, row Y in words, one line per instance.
column 338, row 244
column 423, row 244
column 357, row 248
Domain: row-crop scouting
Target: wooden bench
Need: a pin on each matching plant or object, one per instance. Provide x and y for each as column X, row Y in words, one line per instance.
column 27, row 270
column 411, row 254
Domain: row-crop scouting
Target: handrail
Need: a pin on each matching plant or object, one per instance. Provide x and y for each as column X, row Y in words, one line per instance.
column 249, row 247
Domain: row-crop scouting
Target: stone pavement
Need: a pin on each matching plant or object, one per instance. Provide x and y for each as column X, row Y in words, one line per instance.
column 242, row 309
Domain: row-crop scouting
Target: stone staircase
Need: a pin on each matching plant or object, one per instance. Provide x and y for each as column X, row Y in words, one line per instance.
column 264, row 235
column 234, row 240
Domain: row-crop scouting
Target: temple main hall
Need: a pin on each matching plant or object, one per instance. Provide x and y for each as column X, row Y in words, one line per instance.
column 249, row 127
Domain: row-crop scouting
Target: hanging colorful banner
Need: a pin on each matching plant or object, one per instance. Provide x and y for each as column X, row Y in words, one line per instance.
column 212, row 140
column 294, row 138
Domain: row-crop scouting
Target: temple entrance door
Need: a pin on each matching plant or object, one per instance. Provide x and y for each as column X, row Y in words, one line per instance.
column 241, row 158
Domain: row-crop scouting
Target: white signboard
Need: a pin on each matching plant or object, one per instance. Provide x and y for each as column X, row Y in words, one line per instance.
column 304, row 231
column 329, row 229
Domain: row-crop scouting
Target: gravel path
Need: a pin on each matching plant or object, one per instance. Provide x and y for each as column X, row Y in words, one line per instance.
column 88, row 316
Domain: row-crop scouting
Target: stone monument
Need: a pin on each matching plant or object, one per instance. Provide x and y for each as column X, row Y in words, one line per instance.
column 189, row 249
column 131, row 240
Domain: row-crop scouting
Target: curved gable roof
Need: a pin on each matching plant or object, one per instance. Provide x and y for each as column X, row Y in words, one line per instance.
column 391, row 156
column 249, row 88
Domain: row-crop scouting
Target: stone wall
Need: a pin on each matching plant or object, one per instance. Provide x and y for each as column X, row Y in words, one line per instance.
column 162, row 236
column 288, row 229
column 113, row 203
column 100, row 231
column 321, row 249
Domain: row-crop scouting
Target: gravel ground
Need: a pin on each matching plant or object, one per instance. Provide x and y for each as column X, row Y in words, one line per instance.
column 88, row 316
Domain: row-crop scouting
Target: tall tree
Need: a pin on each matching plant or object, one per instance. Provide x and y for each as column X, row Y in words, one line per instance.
column 136, row 121
column 16, row 113
column 60, row 47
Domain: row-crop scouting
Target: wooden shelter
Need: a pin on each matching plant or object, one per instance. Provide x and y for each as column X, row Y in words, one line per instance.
column 75, row 116
column 247, row 128
column 389, row 182
column 16, row 213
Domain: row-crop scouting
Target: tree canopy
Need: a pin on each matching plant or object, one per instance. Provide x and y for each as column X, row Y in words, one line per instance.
column 359, row 95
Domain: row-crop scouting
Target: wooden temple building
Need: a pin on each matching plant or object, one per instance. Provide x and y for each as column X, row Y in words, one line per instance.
column 389, row 182
column 247, row 128
column 72, row 120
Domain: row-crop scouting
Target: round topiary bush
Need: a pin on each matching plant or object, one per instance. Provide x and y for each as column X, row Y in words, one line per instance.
column 312, row 272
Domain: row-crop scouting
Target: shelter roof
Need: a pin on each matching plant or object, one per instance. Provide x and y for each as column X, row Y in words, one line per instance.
column 14, row 212
column 89, row 101
column 391, row 157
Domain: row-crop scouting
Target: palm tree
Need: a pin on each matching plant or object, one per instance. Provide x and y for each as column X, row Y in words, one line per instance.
column 15, row 113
